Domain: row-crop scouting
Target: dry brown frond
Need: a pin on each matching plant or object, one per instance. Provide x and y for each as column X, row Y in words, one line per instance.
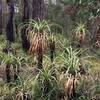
column 38, row 40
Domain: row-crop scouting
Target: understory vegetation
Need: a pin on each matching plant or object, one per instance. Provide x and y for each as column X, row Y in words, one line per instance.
column 73, row 73
column 49, row 49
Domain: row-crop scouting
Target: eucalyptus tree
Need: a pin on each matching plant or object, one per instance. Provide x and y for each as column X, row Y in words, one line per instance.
column 25, row 18
column 0, row 16
column 9, row 27
column 38, row 9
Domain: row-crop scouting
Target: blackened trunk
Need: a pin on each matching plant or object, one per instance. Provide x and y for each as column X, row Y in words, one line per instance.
column 38, row 10
column 0, row 16
column 46, row 87
column 15, row 74
column 73, row 94
column 40, row 60
column 9, row 27
column 25, row 18
column 26, row 97
column 23, row 97
column 40, row 56
column 8, row 76
column 52, row 50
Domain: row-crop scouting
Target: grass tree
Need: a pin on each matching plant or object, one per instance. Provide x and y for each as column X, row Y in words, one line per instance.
column 7, row 59
column 81, row 32
column 70, row 66
column 13, row 64
column 38, row 15
column 24, row 88
column 47, row 86
column 71, row 60
column 38, row 36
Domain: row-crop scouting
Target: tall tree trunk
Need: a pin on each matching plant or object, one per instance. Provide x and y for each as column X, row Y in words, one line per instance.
column 0, row 16
column 38, row 15
column 25, row 18
column 38, row 9
column 9, row 27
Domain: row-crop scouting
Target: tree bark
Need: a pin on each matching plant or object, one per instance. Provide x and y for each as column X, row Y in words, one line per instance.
column 9, row 27
column 38, row 10
column 25, row 18
column 0, row 16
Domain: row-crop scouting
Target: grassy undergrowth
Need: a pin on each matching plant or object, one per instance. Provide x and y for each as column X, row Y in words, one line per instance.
column 27, row 82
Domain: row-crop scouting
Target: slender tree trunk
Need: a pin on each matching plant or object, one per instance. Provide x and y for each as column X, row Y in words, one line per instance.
column 38, row 15
column 25, row 18
column 9, row 27
column 0, row 16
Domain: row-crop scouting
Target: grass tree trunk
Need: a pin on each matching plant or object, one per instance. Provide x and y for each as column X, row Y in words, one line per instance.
column 40, row 56
column 25, row 18
column 9, row 27
column 16, row 71
column 38, row 15
column 52, row 49
column 0, row 16
column 8, row 76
